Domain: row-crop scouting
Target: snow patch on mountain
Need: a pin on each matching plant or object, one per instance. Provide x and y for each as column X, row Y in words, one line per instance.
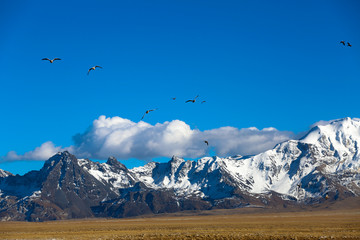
column 117, row 177
column 4, row 174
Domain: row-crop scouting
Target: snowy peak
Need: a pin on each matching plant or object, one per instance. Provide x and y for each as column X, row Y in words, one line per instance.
column 4, row 174
column 336, row 130
column 336, row 142
column 176, row 161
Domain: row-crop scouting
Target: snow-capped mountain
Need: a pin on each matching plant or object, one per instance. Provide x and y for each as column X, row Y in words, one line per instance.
column 322, row 166
column 301, row 168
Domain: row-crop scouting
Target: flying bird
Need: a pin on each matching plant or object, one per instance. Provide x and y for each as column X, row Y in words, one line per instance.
column 349, row 45
column 147, row 111
column 192, row 100
column 93, row 68
column 343, row 42
column 203, row 102
column 51, row 60
column 207, row 143
column 174, row 98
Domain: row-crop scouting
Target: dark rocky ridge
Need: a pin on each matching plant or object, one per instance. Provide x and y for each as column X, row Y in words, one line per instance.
column 63, row 190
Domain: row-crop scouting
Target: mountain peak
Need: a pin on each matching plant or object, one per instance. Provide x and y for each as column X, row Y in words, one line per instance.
column 4, row 173
column 339, row 123
column 176, row 159
column 63, row 153
column 64, row 157
column 335, row 130
column 112, row 161
column 175, row 162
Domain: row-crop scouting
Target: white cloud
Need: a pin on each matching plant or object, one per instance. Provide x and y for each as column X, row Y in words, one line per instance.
column 246, row 141
column 125, row 139
column 43, row 152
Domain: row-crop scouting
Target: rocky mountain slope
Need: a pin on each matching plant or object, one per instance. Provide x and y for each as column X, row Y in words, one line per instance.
column 322, row 166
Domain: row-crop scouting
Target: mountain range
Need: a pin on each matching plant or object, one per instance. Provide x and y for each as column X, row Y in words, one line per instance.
column 321, row 167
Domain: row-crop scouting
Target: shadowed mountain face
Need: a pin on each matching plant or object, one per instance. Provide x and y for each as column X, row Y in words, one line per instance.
column 321, row 168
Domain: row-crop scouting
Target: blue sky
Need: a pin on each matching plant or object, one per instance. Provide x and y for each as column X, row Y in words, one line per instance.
column 256, row 64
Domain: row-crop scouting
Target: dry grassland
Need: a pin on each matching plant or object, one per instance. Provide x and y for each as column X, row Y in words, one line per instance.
column 331, row 224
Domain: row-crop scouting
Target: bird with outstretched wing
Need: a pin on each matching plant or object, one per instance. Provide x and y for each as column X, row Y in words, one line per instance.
column 192, row 100
column 147, row 111
column 51, row 60
column 92, row 68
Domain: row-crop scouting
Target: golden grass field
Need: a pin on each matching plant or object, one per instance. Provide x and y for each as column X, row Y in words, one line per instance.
column 219, row 224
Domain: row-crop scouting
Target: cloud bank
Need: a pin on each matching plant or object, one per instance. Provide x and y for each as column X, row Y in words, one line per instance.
column 41, row 153
column 126, row 139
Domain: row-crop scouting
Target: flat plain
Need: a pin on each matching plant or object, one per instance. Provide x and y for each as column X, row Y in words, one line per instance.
column 215, row 224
